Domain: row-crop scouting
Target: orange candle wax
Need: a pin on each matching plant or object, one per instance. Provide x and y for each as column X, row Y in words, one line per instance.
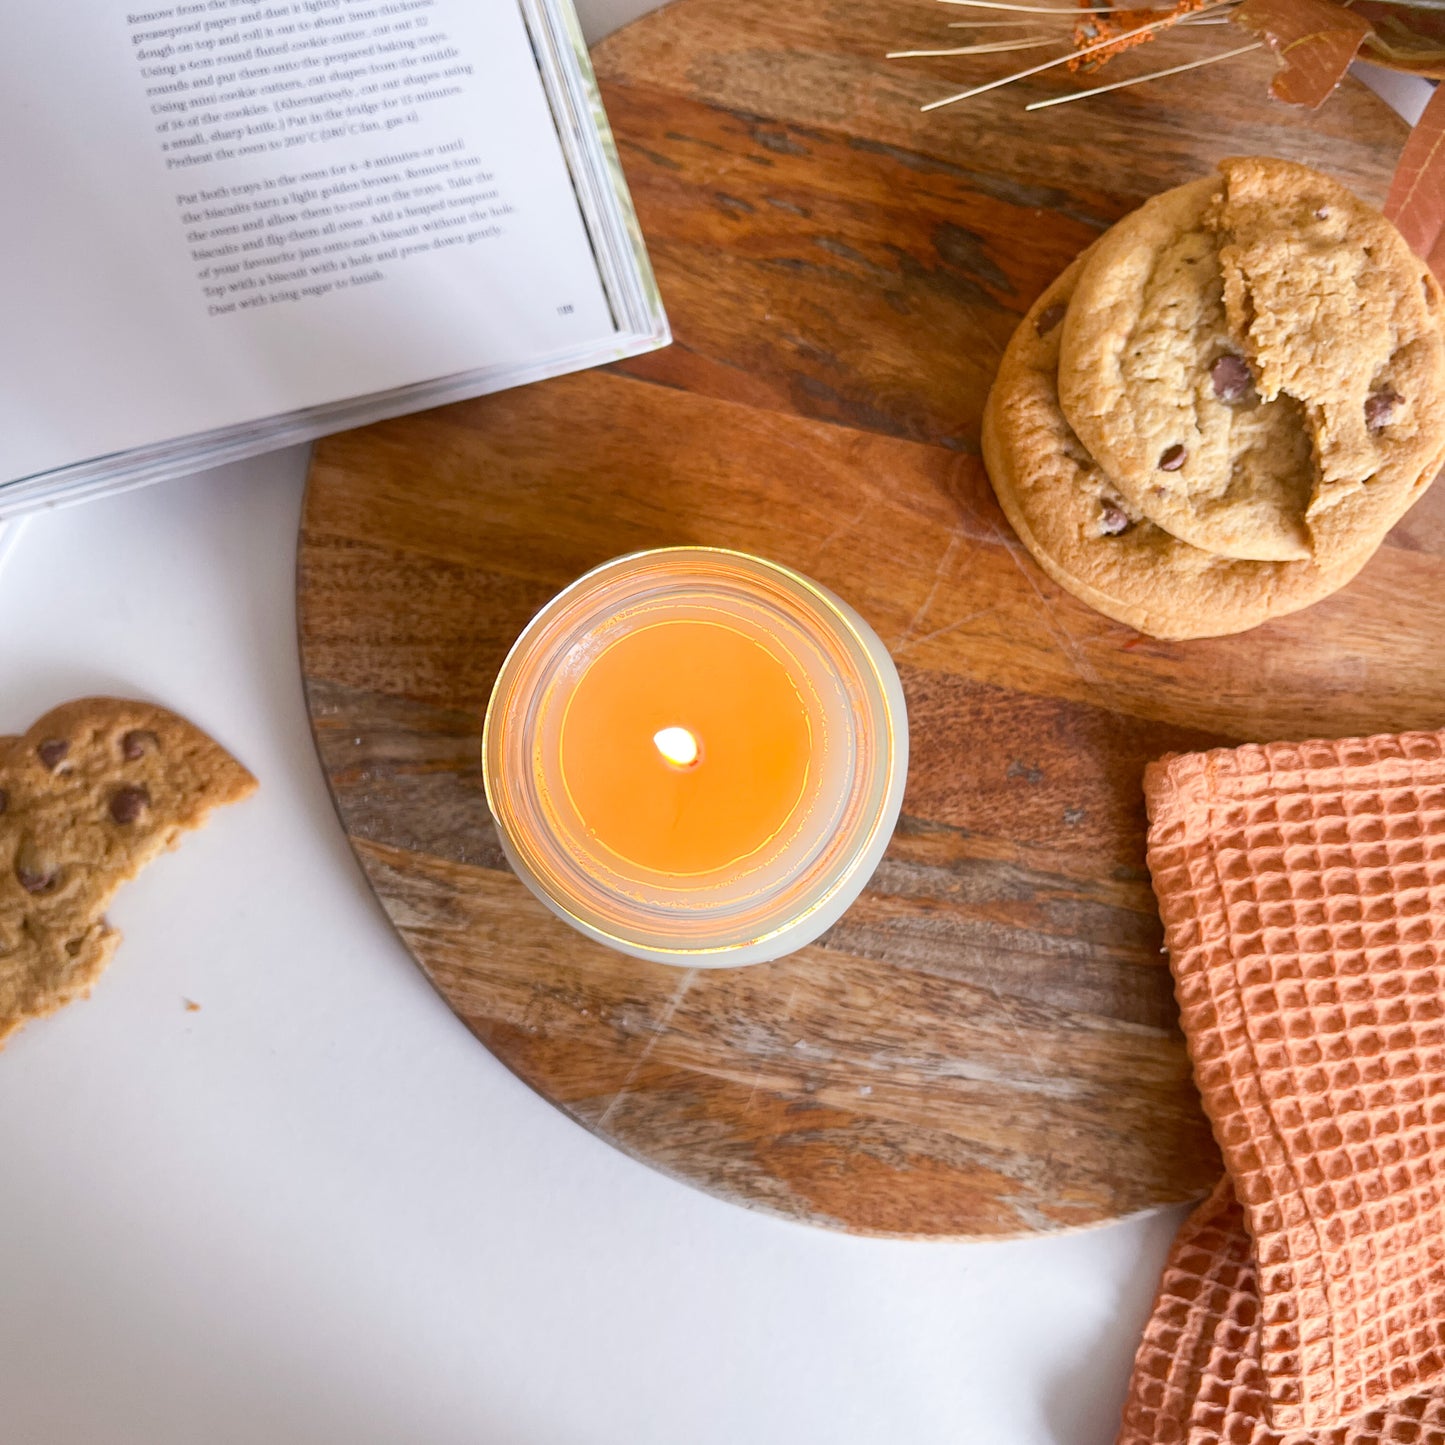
column 738, row 708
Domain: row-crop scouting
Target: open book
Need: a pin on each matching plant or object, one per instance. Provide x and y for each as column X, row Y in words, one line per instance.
column 238, row 224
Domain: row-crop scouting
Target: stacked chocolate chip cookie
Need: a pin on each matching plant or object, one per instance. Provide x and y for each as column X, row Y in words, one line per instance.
column 1217, row 412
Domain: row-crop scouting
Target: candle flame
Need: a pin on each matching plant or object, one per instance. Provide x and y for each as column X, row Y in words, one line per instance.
column 677, row 746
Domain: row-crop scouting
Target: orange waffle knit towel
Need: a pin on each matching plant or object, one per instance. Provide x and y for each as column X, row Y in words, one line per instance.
column 1197, row 1378
column 1302, row 888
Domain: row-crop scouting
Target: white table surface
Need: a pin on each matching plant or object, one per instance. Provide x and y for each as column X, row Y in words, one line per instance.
column 318, row 1211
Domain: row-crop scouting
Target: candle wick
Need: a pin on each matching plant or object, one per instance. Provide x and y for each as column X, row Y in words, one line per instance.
column 677, row 746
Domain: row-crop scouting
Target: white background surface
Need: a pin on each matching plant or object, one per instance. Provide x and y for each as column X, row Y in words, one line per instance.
column 318, row 1211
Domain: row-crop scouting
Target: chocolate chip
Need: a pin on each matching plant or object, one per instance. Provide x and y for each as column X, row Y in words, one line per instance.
column 52, row 752
column 1173, row 458
column 133, row 745
column 1050, row 317
column 1113, row 520
column 1380, row 407
column 128, row 803
column 31, row 871
column 1231, row 378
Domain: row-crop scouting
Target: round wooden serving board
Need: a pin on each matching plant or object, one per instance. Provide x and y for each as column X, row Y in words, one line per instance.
column 987, row 1043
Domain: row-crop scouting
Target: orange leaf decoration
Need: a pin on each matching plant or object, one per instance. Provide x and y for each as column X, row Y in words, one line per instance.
column 1314, row 41
column 1416, row 203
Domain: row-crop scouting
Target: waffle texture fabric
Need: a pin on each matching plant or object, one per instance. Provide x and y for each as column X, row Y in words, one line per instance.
column 1302, row 888
column 1197, row 1378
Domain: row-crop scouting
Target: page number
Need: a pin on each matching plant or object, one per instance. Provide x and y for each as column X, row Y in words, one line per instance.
column 566, row 310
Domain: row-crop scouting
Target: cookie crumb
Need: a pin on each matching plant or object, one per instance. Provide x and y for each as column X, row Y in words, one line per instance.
column 192, row 1007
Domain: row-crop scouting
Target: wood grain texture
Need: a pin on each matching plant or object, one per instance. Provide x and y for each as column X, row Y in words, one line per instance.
column 986, row 1044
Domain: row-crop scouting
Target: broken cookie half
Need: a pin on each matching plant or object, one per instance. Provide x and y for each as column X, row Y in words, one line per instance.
column 93, row 792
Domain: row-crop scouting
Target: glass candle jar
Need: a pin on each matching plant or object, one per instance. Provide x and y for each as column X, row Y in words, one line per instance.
column 696, row 756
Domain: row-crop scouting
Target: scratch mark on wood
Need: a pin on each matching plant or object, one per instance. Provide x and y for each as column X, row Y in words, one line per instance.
column 1083, row 670
column 753, row 1090
column 659, row 1031
column 840, row 531
column 939, row 573
column 1016, row 1031
column 954, row 626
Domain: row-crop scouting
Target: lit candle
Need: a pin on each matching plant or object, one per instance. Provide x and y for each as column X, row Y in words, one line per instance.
column 696, row 756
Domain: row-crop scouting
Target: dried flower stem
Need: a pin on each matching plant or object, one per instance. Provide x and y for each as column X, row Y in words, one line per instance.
column 1140, row 79
column 1069, row 12
column 1030, row 43
column 1197, row 18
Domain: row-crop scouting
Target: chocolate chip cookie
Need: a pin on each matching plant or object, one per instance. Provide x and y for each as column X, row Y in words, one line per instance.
column 1258, row 362
column 1331, row 307
column 1089, row 537
column 93, row 792
column 1158, row 390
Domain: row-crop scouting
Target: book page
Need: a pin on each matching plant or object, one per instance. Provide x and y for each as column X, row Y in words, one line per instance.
column 224, row 210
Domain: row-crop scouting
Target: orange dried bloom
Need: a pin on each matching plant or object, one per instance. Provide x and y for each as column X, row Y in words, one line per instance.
column 1123, row 27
